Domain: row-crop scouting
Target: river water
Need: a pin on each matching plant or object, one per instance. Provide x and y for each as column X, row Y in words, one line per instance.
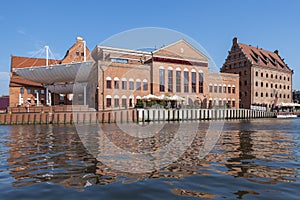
column 250, row 159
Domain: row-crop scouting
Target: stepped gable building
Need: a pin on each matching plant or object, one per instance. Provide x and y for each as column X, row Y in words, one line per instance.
column 265, row 79
column 22, row 90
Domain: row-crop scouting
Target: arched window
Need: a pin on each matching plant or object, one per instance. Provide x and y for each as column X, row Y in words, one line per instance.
column 138, row 84
column 124, row 84
column 124, row 101
column 116, row 101
column 116, row 83
column 108, row 82
column 108, row 101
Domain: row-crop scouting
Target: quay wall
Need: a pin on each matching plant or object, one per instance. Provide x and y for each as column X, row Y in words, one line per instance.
column 131, row 115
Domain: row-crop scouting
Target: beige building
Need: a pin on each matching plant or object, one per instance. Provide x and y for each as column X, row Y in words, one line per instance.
column 265, row 79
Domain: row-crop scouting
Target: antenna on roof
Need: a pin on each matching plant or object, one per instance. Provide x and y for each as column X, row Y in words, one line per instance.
column 47, row 54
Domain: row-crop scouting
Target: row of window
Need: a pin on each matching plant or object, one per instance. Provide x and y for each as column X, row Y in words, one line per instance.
column 221, row 89
column 235, row 56
column 271, row 85
column 117, row 102
column 215, row 102
column 235, row 65
column 271, row 95
column 29, row 91
column 272, row 76
column 163, row 87
column 117, row 84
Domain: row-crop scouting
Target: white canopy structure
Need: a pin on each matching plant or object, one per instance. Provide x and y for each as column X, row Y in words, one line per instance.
column 150, row 96
column 67, row 88
column 48, row 75
column 289, row 105
column 59, row 79
column 177, row 98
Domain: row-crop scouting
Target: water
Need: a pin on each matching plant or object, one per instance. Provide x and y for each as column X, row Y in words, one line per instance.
column 252, row 159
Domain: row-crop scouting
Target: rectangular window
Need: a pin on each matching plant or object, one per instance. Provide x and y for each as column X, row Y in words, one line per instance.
column 124, row 85
column 119, row 60
column 42, row 91
column 186, row 82
column 170, row 80
column 233, row 104
column 210, row 88
column 145, row 86
column 200, row 82
column 224, row 89
column 116, row 102
column 220, row 89
column 138, row 85
column 131, row 85
column 28, row 91
column 116, row 84
column 161, row 80
column 108, row 84
column 193, row 82
column 178, row 81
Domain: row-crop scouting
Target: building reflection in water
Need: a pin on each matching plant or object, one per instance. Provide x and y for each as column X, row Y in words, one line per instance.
column 56, row 154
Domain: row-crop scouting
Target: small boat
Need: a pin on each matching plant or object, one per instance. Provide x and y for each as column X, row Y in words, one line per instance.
column 285, row 116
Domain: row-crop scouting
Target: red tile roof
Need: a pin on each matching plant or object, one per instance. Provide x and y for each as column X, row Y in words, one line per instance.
column 264, row 58
column 22, row 62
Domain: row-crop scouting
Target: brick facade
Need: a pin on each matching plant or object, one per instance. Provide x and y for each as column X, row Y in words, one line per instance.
column 22, row 90
column 265, row 79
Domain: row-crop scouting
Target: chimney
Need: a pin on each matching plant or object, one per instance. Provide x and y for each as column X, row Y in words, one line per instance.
column 276, row 51
column 79, row 38
column 235, row 40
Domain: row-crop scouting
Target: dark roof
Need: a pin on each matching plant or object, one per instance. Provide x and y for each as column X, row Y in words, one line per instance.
column 264, row 58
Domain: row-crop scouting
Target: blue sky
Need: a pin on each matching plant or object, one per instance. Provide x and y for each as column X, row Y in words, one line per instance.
column 27, row 26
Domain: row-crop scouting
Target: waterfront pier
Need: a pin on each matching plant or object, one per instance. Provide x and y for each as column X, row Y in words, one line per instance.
column 129, row 116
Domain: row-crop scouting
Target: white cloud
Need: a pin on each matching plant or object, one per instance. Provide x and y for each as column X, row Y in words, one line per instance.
column 4, row 76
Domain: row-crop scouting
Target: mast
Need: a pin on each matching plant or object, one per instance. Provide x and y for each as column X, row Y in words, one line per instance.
column 47, row 55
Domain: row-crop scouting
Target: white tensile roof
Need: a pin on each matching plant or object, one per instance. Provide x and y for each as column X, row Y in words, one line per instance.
column 60, row 79
column 63, row 73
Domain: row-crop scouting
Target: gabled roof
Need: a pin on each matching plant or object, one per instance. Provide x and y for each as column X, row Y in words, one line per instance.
column 264, row 58
column 182, row 50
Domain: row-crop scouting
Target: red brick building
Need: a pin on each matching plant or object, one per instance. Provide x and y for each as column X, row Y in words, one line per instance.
column 265, row 79
column 118, row 78
column 127, row 75
column 23, row 90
